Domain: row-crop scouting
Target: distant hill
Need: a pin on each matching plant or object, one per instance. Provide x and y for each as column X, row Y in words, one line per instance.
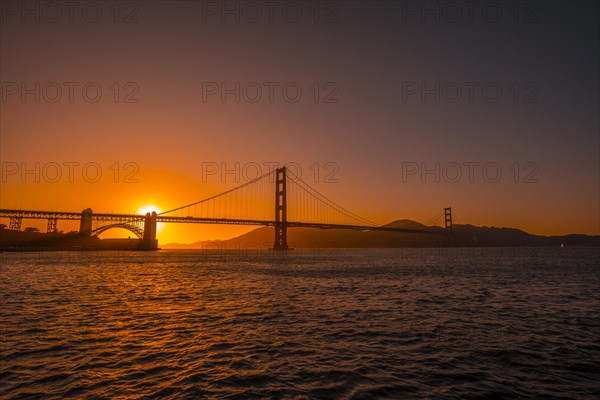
column 432, row 236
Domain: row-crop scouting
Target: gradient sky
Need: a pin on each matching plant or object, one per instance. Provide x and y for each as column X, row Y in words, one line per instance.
column 372, row 52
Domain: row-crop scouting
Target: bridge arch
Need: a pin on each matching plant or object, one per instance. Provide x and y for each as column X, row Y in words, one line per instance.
column 131, row 228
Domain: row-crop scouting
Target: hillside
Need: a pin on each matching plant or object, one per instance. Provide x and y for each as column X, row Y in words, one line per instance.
column 432, row 236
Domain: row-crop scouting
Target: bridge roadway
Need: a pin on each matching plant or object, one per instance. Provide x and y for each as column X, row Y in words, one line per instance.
column 133, row 218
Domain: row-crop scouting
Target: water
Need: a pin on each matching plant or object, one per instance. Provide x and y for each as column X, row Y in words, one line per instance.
column 361, row 324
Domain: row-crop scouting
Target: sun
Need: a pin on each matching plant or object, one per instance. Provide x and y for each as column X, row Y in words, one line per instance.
column 148, row 209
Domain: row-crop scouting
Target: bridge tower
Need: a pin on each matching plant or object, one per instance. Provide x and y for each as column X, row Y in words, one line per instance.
column 280, row 210
column 52, row 225
column 149, row 241
column 448, row 218
column 15, row 223
column 85, row 223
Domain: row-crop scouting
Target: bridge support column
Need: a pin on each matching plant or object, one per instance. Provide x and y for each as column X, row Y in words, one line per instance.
column 52, row 225
column 149, row 241
column 85, row 223
column 15, row 223
column 280, row 210
column 448, row 218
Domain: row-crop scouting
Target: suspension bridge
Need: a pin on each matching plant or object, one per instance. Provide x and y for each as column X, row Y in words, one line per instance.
column 293, row 204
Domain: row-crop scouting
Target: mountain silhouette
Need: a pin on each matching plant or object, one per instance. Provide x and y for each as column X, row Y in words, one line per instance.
column 462, row 235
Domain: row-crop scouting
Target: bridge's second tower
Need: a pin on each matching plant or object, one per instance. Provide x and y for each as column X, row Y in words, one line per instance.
column 280, row 210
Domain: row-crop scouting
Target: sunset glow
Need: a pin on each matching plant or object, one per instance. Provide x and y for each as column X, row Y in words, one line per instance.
column 422, row 133
column 148, row 209
column 323, row 199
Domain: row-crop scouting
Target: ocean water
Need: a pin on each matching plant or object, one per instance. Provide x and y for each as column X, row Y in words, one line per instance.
column 338, row 324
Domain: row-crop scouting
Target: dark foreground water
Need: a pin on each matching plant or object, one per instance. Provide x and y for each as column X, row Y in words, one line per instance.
column 364, row 324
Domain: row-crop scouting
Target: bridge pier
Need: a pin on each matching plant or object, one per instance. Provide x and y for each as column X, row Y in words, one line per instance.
column 280, row 211
column 85, row 223
column 15, row 223
column 52, row 225
column 149, row 241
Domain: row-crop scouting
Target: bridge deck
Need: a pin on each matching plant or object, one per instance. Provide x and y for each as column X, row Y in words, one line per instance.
column 136, row 218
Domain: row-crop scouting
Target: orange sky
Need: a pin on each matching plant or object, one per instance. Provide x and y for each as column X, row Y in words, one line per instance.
column 371, row 134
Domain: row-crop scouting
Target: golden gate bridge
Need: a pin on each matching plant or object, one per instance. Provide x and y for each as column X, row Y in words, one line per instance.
column 293, row 204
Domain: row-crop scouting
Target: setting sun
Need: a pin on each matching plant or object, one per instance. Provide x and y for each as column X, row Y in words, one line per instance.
column 149, row 208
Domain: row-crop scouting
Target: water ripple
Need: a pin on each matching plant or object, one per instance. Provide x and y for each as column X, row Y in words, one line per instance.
column 333, row 324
